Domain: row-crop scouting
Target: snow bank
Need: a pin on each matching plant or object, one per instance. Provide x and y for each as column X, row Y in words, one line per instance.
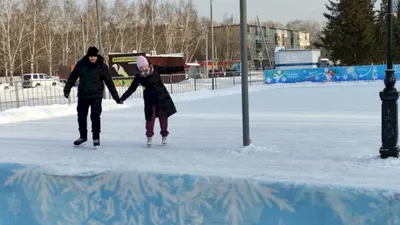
column 51, row 111
column 251, row 149
column 47, row 112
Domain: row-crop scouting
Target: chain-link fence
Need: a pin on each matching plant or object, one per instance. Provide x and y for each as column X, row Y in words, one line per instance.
column 50, row 92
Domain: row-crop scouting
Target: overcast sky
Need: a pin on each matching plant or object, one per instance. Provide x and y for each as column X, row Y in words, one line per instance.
column 275, row 10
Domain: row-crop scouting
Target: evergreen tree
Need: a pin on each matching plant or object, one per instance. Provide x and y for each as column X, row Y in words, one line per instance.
column 382, row 13
column 350, row 34
column 380, row 33
column 330, row 33
column 380, row 38
column 396, row 36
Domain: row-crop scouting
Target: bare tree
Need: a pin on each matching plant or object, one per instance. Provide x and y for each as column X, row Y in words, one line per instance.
column 312, row 27
column 139, row 22
column 122, row 21
column 149, row 12
column 69, row 14
column 90, row 24
column 12, row 26
column 50, row 26
column 170, row 25
column 39, row 35
column 269, row 23
column 190, row 33
column 32, row 20
column 228, row 39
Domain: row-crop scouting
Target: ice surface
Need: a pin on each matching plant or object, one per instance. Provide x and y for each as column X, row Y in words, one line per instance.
column 315, row 133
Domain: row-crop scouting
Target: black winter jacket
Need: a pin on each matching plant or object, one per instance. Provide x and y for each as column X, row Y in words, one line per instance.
column 92, row 77
column 154, row 93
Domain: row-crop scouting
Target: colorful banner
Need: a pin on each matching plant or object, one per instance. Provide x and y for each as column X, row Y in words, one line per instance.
column 330, row 74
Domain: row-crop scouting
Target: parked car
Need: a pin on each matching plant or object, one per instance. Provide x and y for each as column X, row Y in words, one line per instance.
column 38, row 79
column 232, row 73
column 217, row 73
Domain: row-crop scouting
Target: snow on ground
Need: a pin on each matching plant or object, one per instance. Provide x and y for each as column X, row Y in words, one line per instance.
column 315, row 133
column 27, row 113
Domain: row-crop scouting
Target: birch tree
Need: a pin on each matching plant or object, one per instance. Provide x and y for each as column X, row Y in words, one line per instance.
column 190, row 32
column 32, row 20
column 50, row 27
column 90, row 22
column 149, row 12
column 122, row 20
column 170, row 25
column 70, row 17
column 40, row 35
column 12, row 26
column 139, row 23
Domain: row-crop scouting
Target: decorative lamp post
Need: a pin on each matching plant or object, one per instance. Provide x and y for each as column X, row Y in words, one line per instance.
column 389, row 97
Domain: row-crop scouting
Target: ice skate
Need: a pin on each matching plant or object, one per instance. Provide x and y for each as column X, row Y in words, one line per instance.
column 149, row 141
column 164, row 141
column 80, row 141
column 96, row 143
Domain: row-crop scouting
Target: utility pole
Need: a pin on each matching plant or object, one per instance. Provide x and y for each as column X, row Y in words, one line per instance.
column 206, row 70
column 83, row 37
column 245, row 71
column 212, row 45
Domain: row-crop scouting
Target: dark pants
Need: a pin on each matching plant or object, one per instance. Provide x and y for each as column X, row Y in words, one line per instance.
column 95, row 112
column 163, row 122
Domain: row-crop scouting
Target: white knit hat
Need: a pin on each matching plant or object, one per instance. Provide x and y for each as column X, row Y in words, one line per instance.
column 141, row 61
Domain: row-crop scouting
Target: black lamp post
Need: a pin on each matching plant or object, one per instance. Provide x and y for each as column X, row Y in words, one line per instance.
column 389, row 97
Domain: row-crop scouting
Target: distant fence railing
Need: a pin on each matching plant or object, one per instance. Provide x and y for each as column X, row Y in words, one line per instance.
column 50, row 92
column 334, row 74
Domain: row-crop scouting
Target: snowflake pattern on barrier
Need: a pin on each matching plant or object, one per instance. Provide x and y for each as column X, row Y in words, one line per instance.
column 132, row 198
column 334, row 199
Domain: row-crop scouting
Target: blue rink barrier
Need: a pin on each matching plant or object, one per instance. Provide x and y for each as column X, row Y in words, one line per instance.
column 330, row 74
column 33, row 196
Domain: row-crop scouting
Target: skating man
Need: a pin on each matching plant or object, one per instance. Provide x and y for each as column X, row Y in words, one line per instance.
column 92, row 74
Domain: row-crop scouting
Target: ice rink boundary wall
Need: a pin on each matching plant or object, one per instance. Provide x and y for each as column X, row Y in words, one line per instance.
column 330, row 74
column 34, row 195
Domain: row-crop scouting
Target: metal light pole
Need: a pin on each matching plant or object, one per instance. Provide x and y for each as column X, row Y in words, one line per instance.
column 206, row 71
column 389, row 97
column 245, row 71
column 212, row 45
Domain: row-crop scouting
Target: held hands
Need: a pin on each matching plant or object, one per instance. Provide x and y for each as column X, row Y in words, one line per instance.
column 119, row 101
column 66, row 94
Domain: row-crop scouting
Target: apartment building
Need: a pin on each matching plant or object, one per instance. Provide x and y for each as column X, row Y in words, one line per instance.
column 304, row 40
column 259, row 40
